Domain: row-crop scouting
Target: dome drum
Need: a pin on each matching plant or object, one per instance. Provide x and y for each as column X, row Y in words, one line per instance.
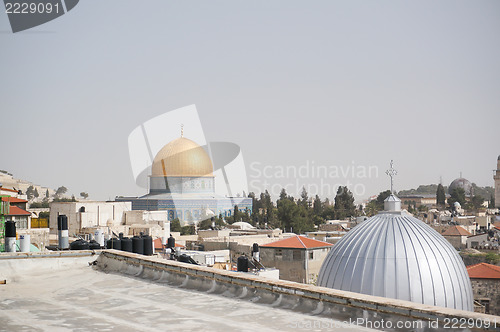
column 180, row 184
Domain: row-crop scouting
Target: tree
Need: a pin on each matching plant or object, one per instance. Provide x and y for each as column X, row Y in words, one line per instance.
column 492, row 202
column 30, row 192
column 317, row 211
column 317, row 206
column 84, row 195
column 47, row 194
column 440, row 195
column 175, row 225
column 188, row 230
column 457, row 195
column 61, row 190
column 476, row 202
column 344, row 204
column 283, row 194
column 286, row 211
column 304, row 198
column 35, row 193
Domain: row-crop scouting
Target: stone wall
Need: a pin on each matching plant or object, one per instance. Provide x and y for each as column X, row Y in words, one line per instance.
column 488, row 288
column 317, row 301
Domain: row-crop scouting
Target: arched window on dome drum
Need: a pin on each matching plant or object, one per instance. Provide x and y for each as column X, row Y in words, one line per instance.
column 202, row 184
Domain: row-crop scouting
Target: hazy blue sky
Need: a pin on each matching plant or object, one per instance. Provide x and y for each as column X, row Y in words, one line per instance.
column 329, row 82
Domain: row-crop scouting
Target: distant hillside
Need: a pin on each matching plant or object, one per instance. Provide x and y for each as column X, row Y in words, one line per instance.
column 8, row 180
column 484, row 192
column 430, row 189
column 425, row 189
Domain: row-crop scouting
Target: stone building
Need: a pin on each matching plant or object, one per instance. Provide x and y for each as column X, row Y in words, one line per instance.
column 457, row 236
column 418, row 200
column 485, row 279
column 88, row 214
column 298, row 258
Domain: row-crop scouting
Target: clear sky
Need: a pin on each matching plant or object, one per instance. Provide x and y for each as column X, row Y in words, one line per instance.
column 329, row 83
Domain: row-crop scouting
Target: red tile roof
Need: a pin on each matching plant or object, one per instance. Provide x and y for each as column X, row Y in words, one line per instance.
column 13, row 200
column 17, row 211
column 484, row 271
column 297, row 242
column 497, row 225
column 6, row 189
column 456, row 231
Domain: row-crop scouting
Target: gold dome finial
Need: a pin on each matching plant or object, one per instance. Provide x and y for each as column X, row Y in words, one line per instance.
column 182, row 130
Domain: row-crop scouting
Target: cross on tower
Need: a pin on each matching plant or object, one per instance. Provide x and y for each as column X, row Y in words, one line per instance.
column 392, row 172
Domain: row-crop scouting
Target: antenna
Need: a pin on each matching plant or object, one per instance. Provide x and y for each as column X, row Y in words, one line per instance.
column 392, row 172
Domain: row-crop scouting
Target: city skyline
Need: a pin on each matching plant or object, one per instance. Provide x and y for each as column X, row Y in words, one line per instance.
column 292, row 83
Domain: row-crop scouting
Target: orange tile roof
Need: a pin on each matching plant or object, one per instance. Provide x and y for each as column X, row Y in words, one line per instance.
column 297, row 242
column 456, row 231
column 17, row 211
column 13, row 200
column 497, row 225
column 484, row 271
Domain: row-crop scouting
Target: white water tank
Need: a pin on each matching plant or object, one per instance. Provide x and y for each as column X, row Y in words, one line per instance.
column 25, row 242
column 99, row 237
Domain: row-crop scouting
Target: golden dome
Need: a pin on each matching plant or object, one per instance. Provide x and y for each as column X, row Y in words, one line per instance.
column 182, row 157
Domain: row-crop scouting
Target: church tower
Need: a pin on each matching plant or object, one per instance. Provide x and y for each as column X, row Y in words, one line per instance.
column 497, row 184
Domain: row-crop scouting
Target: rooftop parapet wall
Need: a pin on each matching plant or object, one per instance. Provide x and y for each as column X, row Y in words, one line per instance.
column 314, row 300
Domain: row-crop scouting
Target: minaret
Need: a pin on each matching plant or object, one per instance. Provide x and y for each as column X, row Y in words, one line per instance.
column 392, row 203
column 496, row 177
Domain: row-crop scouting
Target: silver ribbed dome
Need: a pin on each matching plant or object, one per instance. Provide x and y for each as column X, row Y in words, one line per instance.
column 395, row 255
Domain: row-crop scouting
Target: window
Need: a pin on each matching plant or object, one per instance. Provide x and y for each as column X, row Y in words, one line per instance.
column 311, row 255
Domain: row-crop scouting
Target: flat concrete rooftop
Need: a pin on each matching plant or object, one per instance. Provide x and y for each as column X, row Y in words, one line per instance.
column 65, row 293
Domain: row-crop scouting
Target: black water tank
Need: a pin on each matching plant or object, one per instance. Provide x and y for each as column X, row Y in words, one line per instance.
column 243, row 264
column 127, row 244
column 148, row 245
column 94, row 245
column 79, row 245
column 171, row 242
column 114, row 243
column 185, row 259
column 62, row 222
column 255, row 247
column 10, row 228
column 138, row 245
